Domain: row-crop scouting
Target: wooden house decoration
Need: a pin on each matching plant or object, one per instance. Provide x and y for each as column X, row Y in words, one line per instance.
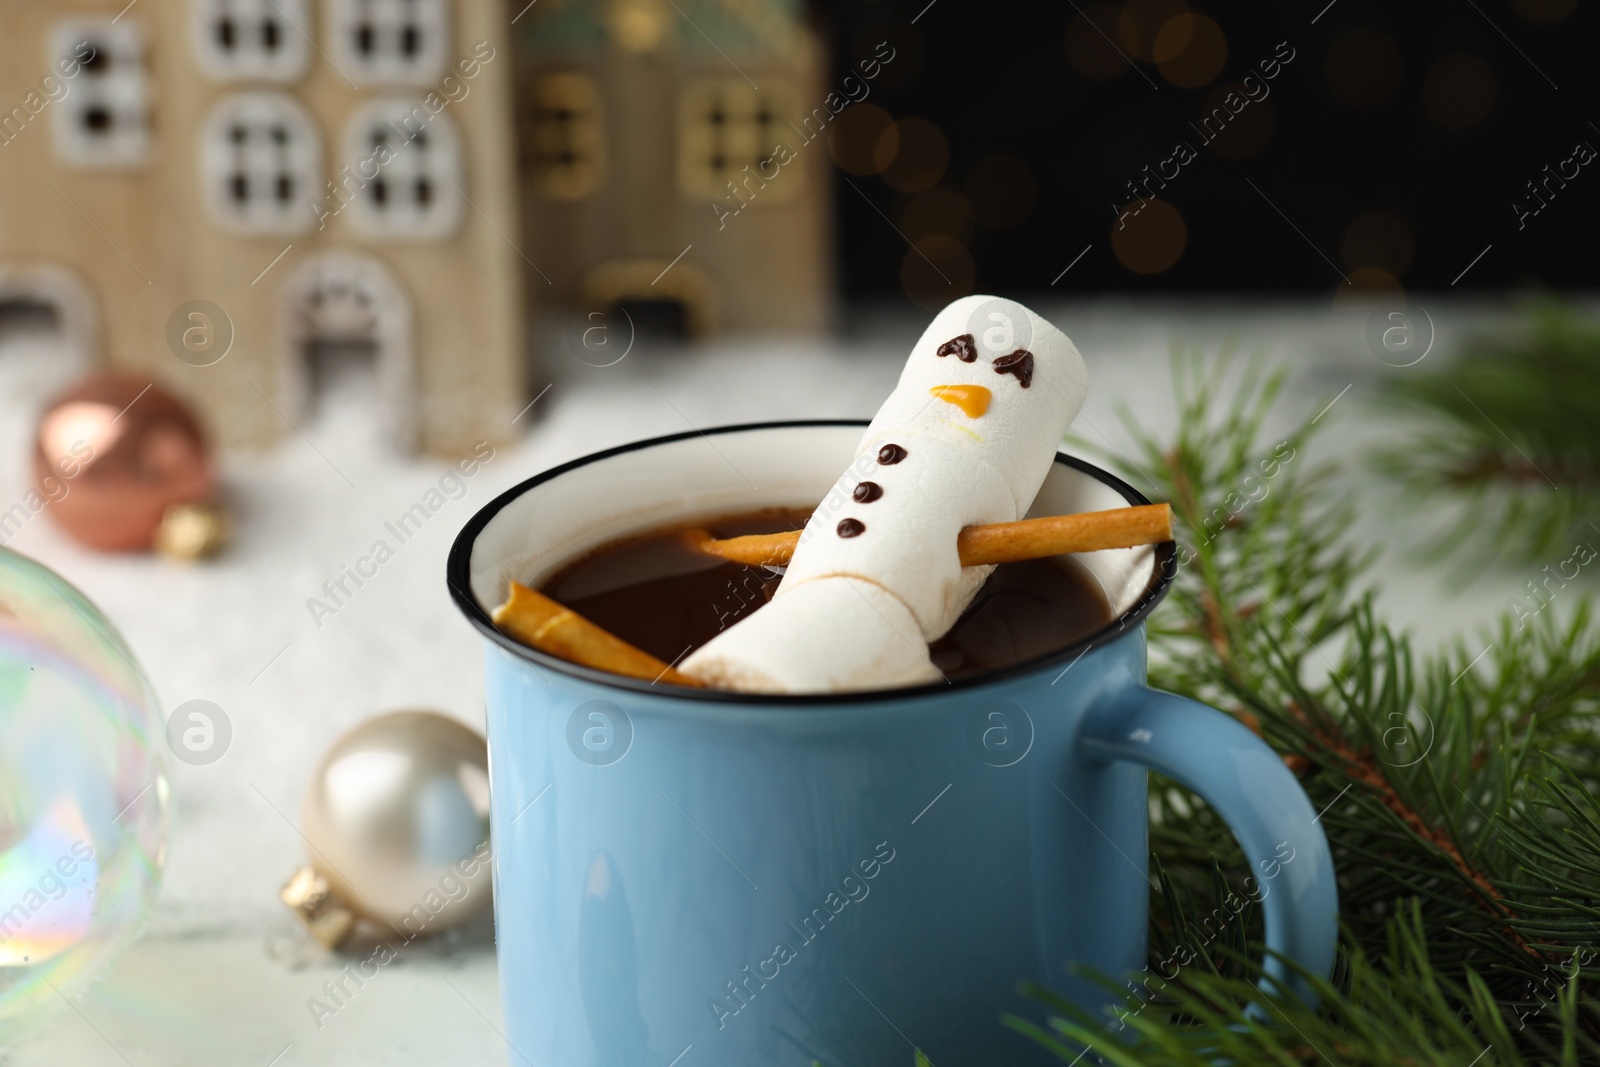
column 648, row 131
column 336, row 176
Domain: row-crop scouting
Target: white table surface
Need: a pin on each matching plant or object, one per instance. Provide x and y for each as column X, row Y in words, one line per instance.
column 212, row 983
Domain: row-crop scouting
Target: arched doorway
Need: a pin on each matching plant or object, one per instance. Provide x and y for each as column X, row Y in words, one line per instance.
column 675, row 298
column 349, row 319
column 47, row 309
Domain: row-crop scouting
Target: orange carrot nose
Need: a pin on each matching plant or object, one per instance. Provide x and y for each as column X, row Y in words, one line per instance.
column 973, row 400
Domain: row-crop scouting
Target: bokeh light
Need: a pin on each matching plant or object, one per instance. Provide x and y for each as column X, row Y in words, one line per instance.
column 863, row 139
column 1363, row 67
column 1368, row 287
column 1172, row 38
column 1090, row 48
column 1459, row 91
column 1151, row 240
column 936, row 271
column 939, row 211
column 1190, row 50
column 1001, row 191
column 1140, row 24
column 1246, row 131
column 921, row 158
column 1377, row 239
column 1544, row 11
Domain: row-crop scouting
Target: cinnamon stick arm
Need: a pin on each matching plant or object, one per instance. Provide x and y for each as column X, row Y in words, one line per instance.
column 539, row 622
column 1002, row 542
column 752, row 549
column 1089, row 531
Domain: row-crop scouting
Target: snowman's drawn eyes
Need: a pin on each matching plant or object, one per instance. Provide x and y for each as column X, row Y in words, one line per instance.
column 964, row 348
column 1019, row 364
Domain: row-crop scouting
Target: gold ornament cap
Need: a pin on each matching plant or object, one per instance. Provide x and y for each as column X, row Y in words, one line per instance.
column 310, row 897
column 192, row 531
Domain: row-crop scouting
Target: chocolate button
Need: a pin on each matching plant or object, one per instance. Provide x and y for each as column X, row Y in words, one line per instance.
column 867, row 492
column 889, row 455
column 851, row 527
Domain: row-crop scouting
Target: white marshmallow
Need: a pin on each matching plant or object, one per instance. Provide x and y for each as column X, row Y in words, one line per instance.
column 872, row 581
column 828, row 635
column 909, row 544
column 1020, row 432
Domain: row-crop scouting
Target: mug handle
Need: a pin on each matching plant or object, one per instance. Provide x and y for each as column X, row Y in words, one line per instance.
column 1247, row 783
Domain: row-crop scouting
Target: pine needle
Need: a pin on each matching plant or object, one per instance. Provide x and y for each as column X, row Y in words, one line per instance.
column 1460, row 788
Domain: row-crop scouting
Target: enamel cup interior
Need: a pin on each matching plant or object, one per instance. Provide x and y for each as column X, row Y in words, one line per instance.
column 725, row 472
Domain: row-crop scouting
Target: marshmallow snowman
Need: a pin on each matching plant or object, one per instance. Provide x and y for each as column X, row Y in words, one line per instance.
column 966, row 438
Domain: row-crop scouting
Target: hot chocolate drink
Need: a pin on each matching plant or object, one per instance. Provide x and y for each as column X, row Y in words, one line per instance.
column 660, row 594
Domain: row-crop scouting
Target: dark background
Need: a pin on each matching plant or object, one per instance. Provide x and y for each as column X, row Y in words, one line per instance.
column 1395, row 157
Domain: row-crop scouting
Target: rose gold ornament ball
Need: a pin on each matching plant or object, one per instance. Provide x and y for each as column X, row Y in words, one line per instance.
column 113, row 453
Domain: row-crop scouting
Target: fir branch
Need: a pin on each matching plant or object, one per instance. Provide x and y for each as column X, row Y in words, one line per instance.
column 1510, row 433
column 1457, row 789
column 1393, row 1006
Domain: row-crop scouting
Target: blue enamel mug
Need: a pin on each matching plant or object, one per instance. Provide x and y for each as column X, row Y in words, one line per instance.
column 713, row 879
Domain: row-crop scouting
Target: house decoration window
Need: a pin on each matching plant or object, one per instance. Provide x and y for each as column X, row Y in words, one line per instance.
column 261, row 164
column 104, row 121
column 725, row 126
column 266, row 40
column 564, row 140
column 403, row 172
column 389, row 42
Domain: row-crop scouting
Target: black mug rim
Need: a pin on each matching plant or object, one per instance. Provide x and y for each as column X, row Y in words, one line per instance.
column 458, row 574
